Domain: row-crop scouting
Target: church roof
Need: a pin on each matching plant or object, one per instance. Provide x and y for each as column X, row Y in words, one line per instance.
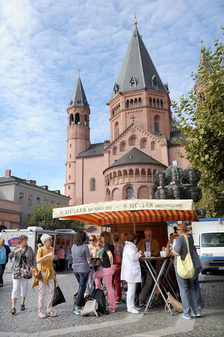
column 135, row 156
column 138, row 70
column 93, row 150
column 78, row 96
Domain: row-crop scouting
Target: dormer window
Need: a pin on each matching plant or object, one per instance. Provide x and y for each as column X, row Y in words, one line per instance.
column 133, row 82
column 154, row 81
column 116, row 88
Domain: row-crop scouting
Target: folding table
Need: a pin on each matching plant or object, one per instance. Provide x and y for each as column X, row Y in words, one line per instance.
column 162, row 261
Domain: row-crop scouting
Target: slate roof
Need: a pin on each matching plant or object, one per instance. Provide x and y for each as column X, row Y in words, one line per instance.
column 93, row 150
column 137, row 68
column 174, row 136
column 78, row 96
column 135, row 156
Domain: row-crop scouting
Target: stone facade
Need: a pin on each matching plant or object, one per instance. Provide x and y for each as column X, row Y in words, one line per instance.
column 140, row 119
column 27, row 195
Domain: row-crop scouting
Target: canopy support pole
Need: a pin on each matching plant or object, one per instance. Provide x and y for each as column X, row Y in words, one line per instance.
column 133, row 221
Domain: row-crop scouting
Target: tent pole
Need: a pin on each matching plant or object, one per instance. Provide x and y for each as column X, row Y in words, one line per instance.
column 133, row 221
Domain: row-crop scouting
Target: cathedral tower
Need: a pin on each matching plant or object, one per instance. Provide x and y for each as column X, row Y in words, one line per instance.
column 139, row 94
column 78, row 136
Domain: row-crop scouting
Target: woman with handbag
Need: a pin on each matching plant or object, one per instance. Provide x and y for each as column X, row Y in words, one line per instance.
column 44, row 260
column 24, row 258
column 107, row 270
column 184, row 252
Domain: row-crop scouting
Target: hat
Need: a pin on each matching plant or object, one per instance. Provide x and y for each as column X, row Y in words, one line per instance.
column 45, row 237
column 183, row 227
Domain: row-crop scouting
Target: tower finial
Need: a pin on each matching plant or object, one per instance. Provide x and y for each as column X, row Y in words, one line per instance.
column 135, row 21
column 79, row 72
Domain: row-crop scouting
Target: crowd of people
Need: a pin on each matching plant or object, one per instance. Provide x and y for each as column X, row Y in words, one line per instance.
column 112, row 260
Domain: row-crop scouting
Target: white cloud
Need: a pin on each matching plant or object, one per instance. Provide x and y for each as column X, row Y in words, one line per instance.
column 44, row 43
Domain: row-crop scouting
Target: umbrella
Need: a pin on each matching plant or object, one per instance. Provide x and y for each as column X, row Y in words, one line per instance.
column 129, row 211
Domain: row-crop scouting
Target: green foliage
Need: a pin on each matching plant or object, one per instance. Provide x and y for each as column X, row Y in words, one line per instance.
column 200, row 116
column 42, row 216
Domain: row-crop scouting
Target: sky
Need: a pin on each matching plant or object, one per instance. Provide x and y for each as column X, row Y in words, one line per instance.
column 43, row 45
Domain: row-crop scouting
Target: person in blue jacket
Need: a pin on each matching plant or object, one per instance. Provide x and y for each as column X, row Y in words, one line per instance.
column 4, row 253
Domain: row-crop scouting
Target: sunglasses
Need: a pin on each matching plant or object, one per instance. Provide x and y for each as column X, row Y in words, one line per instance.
column 91, row 240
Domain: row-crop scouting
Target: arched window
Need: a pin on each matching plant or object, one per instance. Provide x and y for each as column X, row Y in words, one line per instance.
column 150, row 101
column 92, row 184
column 161, row 104
column 143, row 143
column 116, row 130
column 156, row 124
column 131, row 102
column 122, row 146
column 132, row 140
column 127, row 103
column 136, row 101
column 143, row 192
column 71, row 119
column 86, row 120
column 153, row 146
column 129, row 193
column 77, row 118
column 154, row 102
column 140, row 101
column 157, row 102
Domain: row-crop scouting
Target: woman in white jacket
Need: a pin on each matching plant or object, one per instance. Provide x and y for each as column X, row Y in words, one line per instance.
column 131, row 270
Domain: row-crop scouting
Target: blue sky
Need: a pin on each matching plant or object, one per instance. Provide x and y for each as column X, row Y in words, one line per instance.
column 43, row 44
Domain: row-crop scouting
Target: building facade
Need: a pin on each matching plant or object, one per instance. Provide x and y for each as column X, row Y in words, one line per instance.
column 142, row 135
column 9, row 214
column 27, row 195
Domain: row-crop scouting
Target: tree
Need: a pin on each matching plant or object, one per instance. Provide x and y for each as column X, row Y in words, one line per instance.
column 201, row 118
column 42, row 216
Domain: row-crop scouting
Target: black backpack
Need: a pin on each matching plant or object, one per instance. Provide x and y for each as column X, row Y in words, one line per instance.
column 98, row 295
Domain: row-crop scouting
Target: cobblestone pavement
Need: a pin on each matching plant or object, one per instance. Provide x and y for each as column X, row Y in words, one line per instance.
column 156, row 322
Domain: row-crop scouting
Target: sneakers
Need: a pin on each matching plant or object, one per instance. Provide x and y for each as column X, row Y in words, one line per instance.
column 13, row 311
column 133, row 311
column 118, row 302
column 196, row 315
column 136, row 308
column 22, row 307
column 186, row 316
column 77, row 311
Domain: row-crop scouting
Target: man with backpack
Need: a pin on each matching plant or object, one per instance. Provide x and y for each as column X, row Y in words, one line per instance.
column 118, row 251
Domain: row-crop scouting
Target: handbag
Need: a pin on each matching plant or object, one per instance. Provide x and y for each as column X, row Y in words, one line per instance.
column 185, row 268
column 90, row 307
column 36, row 273
column 25, row 272
column 176, row 305
column 58, row 297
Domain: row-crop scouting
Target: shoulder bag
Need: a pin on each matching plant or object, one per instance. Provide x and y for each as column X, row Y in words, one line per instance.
column 185, row 268
column 58, row 297
column 36, row 273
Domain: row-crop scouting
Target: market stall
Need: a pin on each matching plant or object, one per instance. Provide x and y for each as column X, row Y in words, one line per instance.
column 131, row 215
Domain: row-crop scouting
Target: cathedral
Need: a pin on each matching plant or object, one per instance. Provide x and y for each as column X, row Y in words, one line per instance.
column 143, row 137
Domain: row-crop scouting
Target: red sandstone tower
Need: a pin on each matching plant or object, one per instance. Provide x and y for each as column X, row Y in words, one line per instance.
column 78, row 136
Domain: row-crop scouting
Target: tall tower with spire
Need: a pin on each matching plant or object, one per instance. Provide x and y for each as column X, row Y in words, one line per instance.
column 78, row 136
column 139, row 92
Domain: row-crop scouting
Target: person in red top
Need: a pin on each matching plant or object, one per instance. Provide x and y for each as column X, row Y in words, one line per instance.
column 61, row 259
column 118, row 251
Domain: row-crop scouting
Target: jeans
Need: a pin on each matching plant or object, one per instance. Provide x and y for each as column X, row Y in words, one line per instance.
column 2, row 268
column 187, row 294
column 197, row 287
column 82, row 278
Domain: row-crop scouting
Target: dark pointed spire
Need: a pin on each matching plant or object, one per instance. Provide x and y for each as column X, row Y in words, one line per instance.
column 138, row 70
column 78, row 96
